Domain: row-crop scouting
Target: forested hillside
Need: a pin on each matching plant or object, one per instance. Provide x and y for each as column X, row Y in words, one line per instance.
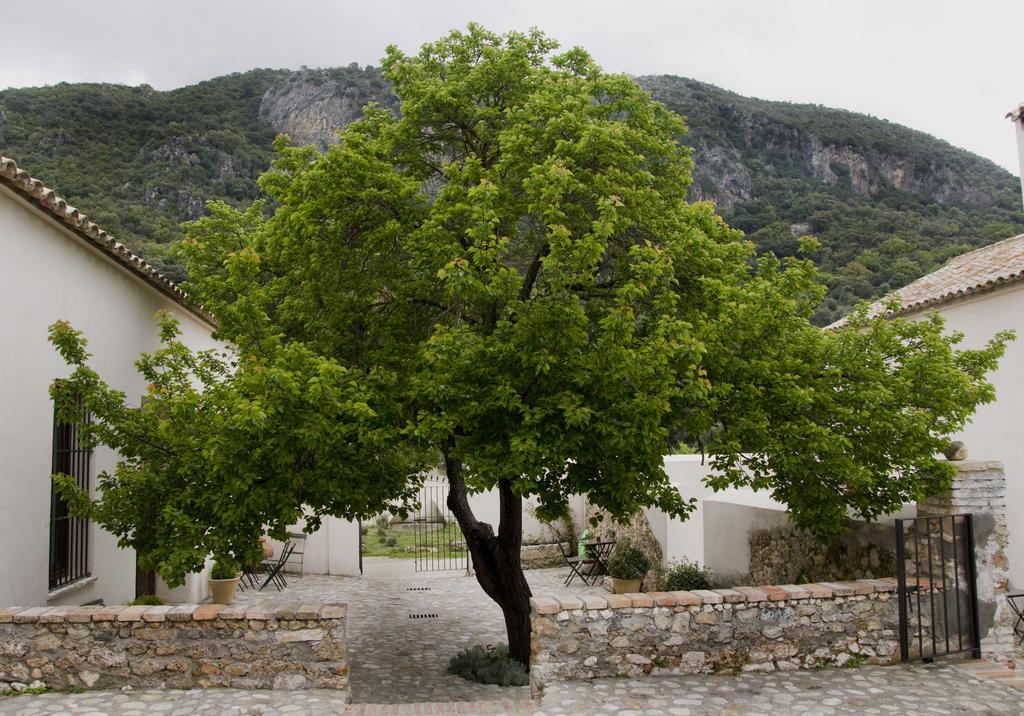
column 887, row 202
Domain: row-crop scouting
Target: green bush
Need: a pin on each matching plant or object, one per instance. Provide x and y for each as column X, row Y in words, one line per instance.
column 224, row 568
column 628, row 562
column 149, row 600
column 489, row 667
column 686, row 575
column 391, row 542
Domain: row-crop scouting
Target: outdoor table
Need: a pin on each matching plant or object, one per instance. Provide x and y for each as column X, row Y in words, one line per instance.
column 600, row 553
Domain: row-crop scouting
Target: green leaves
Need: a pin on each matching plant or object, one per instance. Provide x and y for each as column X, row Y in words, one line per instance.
column 507, row 272
column 219, row 453
column 847, row 422
column 516, row 251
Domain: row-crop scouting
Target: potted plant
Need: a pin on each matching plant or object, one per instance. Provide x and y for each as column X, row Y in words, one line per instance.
column 627, row 568
column 224, row 577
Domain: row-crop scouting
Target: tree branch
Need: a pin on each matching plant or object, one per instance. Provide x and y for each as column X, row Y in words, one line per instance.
column 532, row 272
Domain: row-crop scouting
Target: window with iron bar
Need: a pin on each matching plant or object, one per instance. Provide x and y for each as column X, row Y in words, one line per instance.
column 69, row 535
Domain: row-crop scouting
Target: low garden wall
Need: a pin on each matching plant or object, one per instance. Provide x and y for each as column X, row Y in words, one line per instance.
column 786, row 554
column 287, row 647
column 765, row 628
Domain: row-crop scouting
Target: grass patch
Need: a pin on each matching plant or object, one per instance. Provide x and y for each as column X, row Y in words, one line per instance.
column 150, row 600
column 38, row 690
column 399, row 542
column 493, row 666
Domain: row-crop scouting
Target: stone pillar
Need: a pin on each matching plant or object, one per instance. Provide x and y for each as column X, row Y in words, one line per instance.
column 980, row 489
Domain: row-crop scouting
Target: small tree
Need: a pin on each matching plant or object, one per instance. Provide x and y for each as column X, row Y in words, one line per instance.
column 507, row 278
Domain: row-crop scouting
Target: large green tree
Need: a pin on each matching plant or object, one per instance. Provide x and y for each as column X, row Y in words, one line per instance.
column 507, row 278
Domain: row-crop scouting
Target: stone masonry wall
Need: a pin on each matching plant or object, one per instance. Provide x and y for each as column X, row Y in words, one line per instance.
column 289, row 647
column 980, row 489
column 765, row 628
column 786, row 554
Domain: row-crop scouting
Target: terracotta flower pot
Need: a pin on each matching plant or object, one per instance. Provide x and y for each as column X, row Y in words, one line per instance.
column 625, row 586
column 223, row 590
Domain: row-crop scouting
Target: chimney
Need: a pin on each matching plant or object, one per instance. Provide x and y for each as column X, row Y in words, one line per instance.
column 1017, row 117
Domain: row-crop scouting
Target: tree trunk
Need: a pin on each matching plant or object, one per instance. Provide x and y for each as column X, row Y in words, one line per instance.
column 496, row 558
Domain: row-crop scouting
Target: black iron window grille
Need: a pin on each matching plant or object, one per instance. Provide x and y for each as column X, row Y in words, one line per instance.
column 69, row 535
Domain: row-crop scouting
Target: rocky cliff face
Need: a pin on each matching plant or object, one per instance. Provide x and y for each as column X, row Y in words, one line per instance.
column 310, row 106
column 735, row 139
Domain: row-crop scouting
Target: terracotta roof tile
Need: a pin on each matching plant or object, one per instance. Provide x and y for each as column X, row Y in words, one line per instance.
column 47, row 201
column 975, row 272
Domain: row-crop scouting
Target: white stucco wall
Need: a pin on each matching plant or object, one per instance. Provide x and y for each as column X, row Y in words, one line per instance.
column 1018, row 122
column 487, row 508
column 332, row 549
column 717, row 531
column 997, row 430
column 46, row 274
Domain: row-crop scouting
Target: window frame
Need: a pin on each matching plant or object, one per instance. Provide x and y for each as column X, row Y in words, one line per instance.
column 69, row 559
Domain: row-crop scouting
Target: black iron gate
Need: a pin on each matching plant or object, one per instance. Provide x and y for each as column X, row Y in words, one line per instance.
column 938, row 596
column 439, row 543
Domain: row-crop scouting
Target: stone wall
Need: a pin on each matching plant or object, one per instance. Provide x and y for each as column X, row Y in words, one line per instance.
column 786, row 554
column 765, row 628
column 980, row 489
column 187, row 646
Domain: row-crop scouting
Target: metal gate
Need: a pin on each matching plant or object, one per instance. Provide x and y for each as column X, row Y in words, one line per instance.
column 439, row 543
column 938, row 596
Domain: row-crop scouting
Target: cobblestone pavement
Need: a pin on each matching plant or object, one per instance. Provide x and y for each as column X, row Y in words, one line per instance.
column 405, row 626
column 912, row 690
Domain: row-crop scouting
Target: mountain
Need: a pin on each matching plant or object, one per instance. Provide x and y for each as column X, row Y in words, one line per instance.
column 888, row 203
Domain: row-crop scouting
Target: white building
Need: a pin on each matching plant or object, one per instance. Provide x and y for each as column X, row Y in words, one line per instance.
column 56, row 264
column 979, row 294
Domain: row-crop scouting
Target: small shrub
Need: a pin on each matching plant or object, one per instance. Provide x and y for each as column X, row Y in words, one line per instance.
column 684, row 576
column 224, row 568
column 628, row 562
column 489, row 667
column 391, row 542
column 855, row 662
column 382, row 522
column 149, row 600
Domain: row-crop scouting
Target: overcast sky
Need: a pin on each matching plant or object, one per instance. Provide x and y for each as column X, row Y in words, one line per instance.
column 952, row 69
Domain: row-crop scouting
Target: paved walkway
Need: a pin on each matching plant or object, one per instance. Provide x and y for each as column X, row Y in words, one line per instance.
column 901, row 690
column 405, row 626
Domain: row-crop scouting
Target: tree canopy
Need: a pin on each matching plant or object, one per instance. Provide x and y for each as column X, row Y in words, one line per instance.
column 221, row 452
column 507, row 278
